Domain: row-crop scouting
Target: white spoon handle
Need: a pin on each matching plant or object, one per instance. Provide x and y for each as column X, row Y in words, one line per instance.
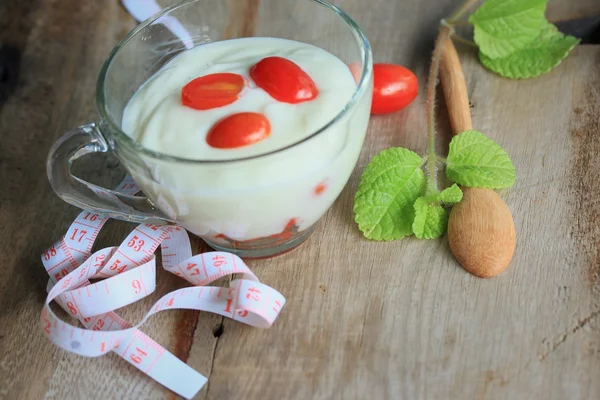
column 141, row 10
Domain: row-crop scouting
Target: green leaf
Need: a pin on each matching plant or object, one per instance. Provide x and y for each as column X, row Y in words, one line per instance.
column 505, row 26
column 431, row 219
column 451, row 195
column 477, row 161
column 383, row 204
column 537, row 58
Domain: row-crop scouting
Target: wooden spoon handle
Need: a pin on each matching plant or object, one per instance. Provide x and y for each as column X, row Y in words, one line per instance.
column 455, row 89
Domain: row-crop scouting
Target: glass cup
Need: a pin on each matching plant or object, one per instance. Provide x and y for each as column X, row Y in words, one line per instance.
column 292, row 187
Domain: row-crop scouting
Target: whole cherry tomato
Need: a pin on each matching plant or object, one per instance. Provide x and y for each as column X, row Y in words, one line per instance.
column 239, row 130
column 211, row 91
column 395, row 87
column 284, row 80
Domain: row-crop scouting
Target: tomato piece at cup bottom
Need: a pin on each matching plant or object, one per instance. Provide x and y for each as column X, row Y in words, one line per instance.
column 239, row 130
column 212, row 91
column 356, row 71
column 320, row 189
column 284, row 80
column 395, row 87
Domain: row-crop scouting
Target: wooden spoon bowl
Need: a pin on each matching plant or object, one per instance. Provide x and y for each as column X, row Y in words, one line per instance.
column 481, row 233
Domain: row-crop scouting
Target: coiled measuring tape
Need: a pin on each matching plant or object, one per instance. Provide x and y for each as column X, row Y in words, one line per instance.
column 128, row 274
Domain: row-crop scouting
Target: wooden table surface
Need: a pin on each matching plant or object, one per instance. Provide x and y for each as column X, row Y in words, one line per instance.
column 363, row 319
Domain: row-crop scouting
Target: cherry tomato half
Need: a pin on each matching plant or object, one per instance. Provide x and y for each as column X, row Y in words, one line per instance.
column 212, row 91
column 239, row 130
column 395, row 87
column 284, row 80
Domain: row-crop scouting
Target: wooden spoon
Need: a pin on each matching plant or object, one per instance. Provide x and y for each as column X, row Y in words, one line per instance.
column 481, row 231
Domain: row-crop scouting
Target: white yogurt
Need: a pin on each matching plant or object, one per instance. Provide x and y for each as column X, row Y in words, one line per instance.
column 254, row 198
column 156, row 117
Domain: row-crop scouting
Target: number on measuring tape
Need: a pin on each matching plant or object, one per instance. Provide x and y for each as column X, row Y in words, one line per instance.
column 66, row 283
column 253, row 293
column 219, row 260
column 277, row 306
column 228, row 306
column 192, row 268
column 72, row 308
column 48, row 254
column 61, row 274
column 136, row 243
column 241, row 313
column 118, row 266
column 99, row 260
column 153, row 227
column 137, row 358
column 137, row 286
column 78, row 234
column 91, row 217
column 99, row 324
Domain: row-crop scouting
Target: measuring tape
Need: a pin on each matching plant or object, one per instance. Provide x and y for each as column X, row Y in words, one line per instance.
column 128, row 274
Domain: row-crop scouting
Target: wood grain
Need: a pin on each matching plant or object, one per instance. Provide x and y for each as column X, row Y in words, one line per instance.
column 242, row 19
column 363, row 319
column 454, row 85
column 566, row 10
column 481, row 233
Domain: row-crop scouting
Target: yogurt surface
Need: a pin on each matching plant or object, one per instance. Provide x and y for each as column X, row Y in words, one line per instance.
column 156, row 117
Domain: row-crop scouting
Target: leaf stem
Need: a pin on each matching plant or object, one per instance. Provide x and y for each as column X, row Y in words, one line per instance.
column 462, row 10
column 434, row 70
column 458, row 22
column 464, row 40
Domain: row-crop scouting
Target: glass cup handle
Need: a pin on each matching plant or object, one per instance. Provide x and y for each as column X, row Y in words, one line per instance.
column 84, row 140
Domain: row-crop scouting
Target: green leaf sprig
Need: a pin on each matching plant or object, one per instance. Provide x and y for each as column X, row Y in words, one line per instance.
column 516, row 41
column 388, row 189
column 395, row 197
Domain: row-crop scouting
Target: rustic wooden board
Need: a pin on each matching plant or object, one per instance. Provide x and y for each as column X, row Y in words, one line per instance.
column 363, row 319
column 563, row 10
